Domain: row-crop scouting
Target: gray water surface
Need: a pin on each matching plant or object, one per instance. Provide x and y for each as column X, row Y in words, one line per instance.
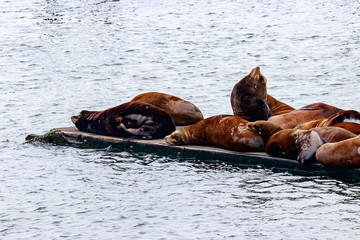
column 60, row 57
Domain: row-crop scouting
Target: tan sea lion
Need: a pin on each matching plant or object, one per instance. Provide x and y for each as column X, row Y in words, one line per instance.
column 352, row 127
column 308, row 113
column 333, row 134
column 277, row 107
column 183, row 112
column 288, row 143
column 132, row 119
column 343, row 154
column 348, row 119
column 225, row 131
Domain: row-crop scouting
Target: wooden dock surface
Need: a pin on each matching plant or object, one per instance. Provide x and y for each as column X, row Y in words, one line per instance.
column 73, row 137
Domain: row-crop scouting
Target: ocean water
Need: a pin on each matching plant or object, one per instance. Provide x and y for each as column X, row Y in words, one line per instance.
column 60, row 57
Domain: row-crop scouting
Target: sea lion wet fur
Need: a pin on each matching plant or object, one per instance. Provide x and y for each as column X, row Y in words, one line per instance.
column 248, row 97
column 132, row 119
column 349, row 120
column 183, row 112
column 289, row 143
column 307, row 113
column 225, row 131
column 343, row 154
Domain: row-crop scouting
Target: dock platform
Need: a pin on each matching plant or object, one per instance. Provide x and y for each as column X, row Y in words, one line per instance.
column 71, row 136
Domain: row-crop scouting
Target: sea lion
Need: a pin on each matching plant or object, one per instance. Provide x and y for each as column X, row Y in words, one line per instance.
column 333, row 134
column 248, row 97
column 132, row 119
column 277, row 107
column 352, row 127
column 288, row 143
column 348, row 119
column 343, row 154
column 308, row 113
column 183, row 112
column 225, row 131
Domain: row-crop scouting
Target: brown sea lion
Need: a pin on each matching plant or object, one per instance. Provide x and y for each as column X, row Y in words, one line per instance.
column 343, row 154
column 308, row 113
column 277, row 107
column 348, row 119
column 225, row 131
column 333, row 134
column 183, row 112
column 248, row 97
column 133, row 119
column 288, row 143
column 352, row 127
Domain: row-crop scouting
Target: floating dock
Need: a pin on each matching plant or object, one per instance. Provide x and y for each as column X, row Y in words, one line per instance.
column 71, row 136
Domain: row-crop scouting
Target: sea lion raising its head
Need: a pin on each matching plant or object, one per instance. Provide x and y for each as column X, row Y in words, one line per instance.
column 183, row 112
column 289, row 143
column 133, row 119
column 225, row 131
column 248, row 97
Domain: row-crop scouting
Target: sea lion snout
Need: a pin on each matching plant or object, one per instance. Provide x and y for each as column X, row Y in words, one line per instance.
column 175, row 138
column 255, row 71
column 74, row 119
column 257, row 77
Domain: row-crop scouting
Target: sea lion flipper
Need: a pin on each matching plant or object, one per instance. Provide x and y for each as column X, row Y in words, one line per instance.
column 132, row 119
column 307, row 143
column 266, row 109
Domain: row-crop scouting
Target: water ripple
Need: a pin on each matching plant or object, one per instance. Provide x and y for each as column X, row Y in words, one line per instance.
column 60, row 57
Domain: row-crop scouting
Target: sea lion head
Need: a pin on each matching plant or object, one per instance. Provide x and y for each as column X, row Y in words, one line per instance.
column 255, row 83
column 264, row 128
column 248, row 97
column 75, row 119
column 178, row 137
column 81, row 120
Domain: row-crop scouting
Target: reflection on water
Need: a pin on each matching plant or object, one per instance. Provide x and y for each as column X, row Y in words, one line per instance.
column 60, row 57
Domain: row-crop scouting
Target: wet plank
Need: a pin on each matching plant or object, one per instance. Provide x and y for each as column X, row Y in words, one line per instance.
column 73, row 137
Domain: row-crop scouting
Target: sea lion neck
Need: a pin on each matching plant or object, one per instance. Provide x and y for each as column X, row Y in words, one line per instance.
column 267, row 129
column 269, row 132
